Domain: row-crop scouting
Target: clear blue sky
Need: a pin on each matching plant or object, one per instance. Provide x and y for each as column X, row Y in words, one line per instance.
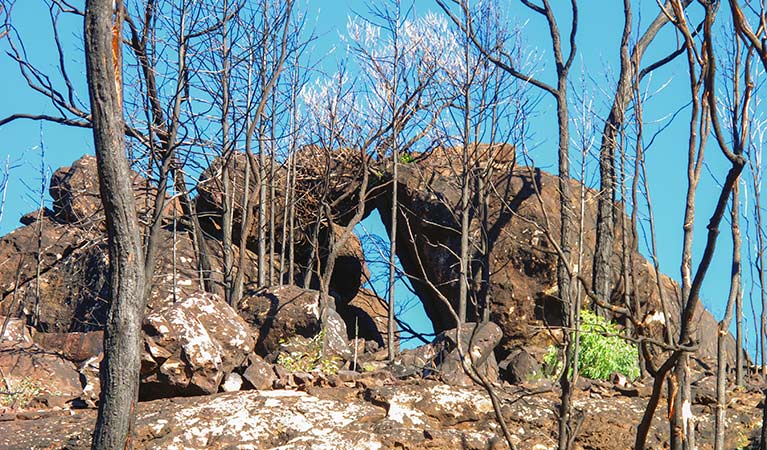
column 598, row 40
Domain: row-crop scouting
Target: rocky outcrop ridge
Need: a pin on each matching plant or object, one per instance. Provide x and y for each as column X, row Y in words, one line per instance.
column 523, row 212
column 319, row 363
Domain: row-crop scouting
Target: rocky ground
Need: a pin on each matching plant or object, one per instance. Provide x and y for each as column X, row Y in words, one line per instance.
column 374, row 411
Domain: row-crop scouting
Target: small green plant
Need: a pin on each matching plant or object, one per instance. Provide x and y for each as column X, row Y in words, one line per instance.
column 20, row 394
column 406, row 158
column 311, row 359
column 602, row 351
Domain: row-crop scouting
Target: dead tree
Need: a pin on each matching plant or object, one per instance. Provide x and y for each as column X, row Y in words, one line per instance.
column 630, row 62
column 122, row 336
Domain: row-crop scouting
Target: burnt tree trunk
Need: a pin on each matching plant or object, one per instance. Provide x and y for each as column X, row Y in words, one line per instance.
column 120, row 368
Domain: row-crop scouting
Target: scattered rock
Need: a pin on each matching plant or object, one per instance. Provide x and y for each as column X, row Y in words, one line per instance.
column 232, row 382
column 259, row 373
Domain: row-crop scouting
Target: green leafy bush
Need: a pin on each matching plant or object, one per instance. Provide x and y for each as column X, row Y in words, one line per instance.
column 602, row 351
column 406, row 158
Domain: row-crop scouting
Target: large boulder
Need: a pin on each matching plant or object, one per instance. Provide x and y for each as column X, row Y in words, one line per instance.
column 478, row 342
column 190, row 346
column 281, row 312
column 522, row 291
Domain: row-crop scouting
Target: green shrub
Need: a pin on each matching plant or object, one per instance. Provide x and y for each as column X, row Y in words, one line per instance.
column 406, row 158
column 602, row 351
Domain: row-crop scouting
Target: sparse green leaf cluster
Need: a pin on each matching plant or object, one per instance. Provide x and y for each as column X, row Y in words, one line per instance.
column 20, row 394
column 310, row 360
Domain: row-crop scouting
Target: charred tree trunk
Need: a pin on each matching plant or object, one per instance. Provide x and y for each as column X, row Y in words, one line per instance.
column 120, row 368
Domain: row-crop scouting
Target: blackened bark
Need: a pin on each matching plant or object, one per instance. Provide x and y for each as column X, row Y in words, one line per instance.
column 120, row 368
column 629, row 64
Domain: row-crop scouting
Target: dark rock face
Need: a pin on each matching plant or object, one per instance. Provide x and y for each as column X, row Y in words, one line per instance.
column 279, row 313
column 366, row 317
column 314, row 166
column 190, row 346
column 70, row 291
column 74, row 275
column 210, row 198
column 522, row 290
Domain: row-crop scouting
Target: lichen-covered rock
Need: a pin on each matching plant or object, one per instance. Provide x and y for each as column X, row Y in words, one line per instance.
column 191, row 345
column 335, row 343
column 370, row 412
column 71, row 293
column 14, row 331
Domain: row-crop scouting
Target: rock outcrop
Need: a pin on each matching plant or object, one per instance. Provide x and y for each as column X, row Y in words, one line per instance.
column 523, row 212
column 287, row 368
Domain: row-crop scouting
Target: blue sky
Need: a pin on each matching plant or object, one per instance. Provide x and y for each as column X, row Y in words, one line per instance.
column 596, row 63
